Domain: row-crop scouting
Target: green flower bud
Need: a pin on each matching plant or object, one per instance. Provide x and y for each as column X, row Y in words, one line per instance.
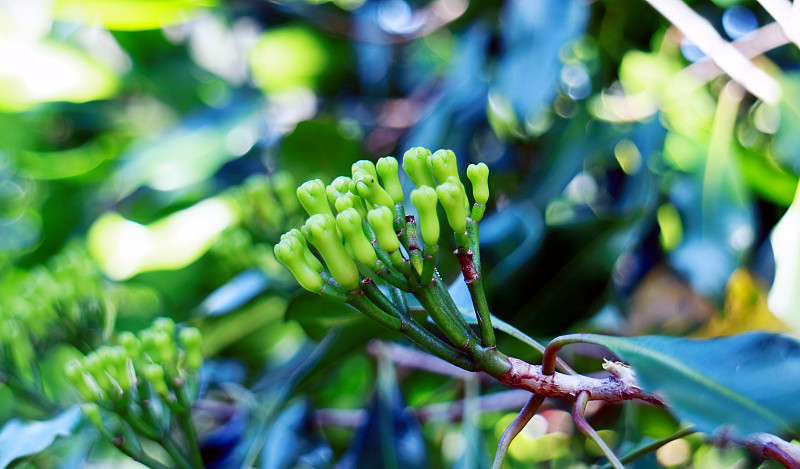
column 115, row 362
column 350, row 200
column 387, row 168
column 415, row 164
column 285, row 187
column 192, row 341
column 338, row 188
column 381, row 220
column 453, row 199
column 75, row 374
column 311, row 259
column 92, row 412
column 478, row 175
column 313, row 198
column 132, row 345
column 165, row 344
column 425, row 199
column 291, row 253
column 443, row 164
column 349, row 222
column 368, row 188
column 155, row 375
column 320, row 230
column 164, row 324
column 364, row 167
column 94, row 365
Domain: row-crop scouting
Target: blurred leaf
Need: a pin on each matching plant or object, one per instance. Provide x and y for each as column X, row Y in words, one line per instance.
column 293, row 56
column 186, row 154
column 787, row 139
column 745, row 309
column 34, row 73
column 290, row 442
column 767, row 179
column 238, row 291
column 745, row 383
column 452, row 117
column 67, row 163
column 222, row 331
column 124, row 248
column 318, row 148
column 318, row 314
column 391, row 438
column 18, row 439
column 533, row 34
column 131, row 15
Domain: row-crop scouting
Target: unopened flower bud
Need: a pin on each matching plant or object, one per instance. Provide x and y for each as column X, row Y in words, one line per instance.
column 443, row 164
column 311, row 259
column 478, row 175
column 453, row 199
column 350, row 200
column 415, row 164
column 192, row 341
column 291, row 253
column 131, row 344
column 320, row 230
column 164, row 324
column 381, row 220
column 364, row 167
column 92, row 412
column 313, row 198
column 75, row 374
column 387, row 168
column 285, row 188
column 155, row 375
column 368, row 188
column 349, row 223
column 425, row 200
column 338, row 188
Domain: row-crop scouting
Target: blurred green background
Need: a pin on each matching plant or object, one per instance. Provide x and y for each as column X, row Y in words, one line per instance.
column 149, row 151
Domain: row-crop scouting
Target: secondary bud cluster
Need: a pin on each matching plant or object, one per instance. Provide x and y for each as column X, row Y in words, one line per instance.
column 360, row 219
column 159, row 355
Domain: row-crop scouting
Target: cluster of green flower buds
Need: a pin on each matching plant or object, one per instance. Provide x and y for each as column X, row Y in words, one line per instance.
column 268, row 203
column 360, row 220
column 159, row 356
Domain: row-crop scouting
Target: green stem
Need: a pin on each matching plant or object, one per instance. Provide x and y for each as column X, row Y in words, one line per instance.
column 375, row 295
column 400, row 300
column 453, row 329
column 429, row 264
column 649, row 448
column 426, row 340
column 472, row 278
column 370, row 310
column 551, row 351
column 522, row 419
column 586, row 429
column 399, row 224
column 186, row 423
column 474, row 243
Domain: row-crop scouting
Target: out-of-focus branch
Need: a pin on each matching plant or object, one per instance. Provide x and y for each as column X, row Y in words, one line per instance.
column 760, row 41
column 786, row 15
column 723, row 53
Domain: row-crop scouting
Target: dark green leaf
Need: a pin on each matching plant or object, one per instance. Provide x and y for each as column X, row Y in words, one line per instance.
column 745, row 383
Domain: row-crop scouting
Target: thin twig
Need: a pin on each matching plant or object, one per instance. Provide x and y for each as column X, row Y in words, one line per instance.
column 698, row 30
column 522, row 419
column 650, row 447
column 580, row 422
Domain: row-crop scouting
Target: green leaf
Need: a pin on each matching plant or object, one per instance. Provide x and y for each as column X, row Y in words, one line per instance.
column 318, row 147
column 131, row 15
column 18, row 439
column 745, row 383
column 317, row 314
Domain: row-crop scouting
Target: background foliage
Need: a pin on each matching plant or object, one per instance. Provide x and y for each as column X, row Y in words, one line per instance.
column 149, row 152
